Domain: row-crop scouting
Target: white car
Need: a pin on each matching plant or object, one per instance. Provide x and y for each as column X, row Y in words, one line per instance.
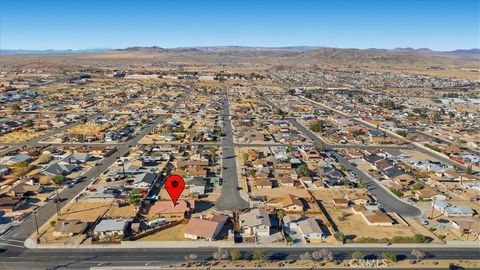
column 424, row 222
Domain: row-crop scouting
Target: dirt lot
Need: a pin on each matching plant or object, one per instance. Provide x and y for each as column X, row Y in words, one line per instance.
column 174, row 233
column 86, row 128
column 87, row 211
column 419, row 155
column 126, row 211
column 19, row 136
column 354, row 225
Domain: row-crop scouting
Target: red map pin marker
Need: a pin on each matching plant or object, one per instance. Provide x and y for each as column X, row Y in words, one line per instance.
column 174, row 186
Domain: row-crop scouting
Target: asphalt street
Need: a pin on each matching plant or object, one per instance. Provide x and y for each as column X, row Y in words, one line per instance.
column 230, row 198
column 86, row 258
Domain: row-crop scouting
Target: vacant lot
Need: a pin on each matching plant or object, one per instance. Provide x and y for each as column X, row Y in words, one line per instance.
column 19, row 136
column 87, row 211
column 174, row 233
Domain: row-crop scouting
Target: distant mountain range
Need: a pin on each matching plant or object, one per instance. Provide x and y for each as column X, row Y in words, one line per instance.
column 462, row 53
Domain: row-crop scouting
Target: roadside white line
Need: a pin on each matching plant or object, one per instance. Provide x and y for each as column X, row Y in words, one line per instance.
column 12, row 245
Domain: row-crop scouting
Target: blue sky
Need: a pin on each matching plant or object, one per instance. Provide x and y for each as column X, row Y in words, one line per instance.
column 69, row 24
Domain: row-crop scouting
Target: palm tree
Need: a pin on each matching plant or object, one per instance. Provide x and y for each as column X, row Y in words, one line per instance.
column 135, row 199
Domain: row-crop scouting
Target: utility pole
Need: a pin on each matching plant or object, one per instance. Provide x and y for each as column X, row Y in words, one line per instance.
column 123, row 167
column 58, row 202
column 36, row 221
column 433, row 205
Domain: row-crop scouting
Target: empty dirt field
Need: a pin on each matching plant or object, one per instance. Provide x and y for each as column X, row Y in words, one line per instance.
column 174, row 233
column 87, row 211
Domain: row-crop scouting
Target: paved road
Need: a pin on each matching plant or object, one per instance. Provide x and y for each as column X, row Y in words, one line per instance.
column 230, row 198
column 389, row 201
column 86, row 258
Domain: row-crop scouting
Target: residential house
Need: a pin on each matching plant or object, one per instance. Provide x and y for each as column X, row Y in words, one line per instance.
column 452, row 210
column 166, row 209
column 255, row 222
column 310, row 230
column 111, row 228
column 60, row 169
column 373, row 217
column 18, row 158
column 9, row 204
column 144, row 180
column 289, row 203
column 358, row 198
column 428, row 193
column 69, row 228
column 205, row 227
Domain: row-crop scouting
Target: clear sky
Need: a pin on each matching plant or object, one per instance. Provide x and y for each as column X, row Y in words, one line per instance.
column 69, row 24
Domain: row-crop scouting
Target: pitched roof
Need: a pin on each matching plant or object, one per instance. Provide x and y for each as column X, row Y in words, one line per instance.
column 309, row 225
column 109, row 225
column 256, row 217
column 167, row 207
column 205, row 227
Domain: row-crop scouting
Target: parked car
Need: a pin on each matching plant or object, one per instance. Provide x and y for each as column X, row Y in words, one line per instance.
column 424, row 222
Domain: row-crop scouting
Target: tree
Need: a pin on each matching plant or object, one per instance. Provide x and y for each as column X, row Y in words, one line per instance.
column 358, row 255
column 279, row 111
column 280, row 215
column 322, row 255
column 20, row 168
column 259, row 255
column 291, row 91
column 306, row 256
column 220, row 255
column 316, row 126
column 213, row 154
column 134, row 198
column 303, row 170
column 15, row 107
column 28, row 123
column 245, row 158
column 58, row 179
column 339, row 236
column 469, row 169
column 319, row 147
column 402, row 133
column 191, row 257
column 417, row 186
column 308, row 95
column 437, row 116
column 417, row 111
column 389, row 256
column 235, row 255
column 419, row 255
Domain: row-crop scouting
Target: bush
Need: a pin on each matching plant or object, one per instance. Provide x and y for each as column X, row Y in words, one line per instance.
column 389, row 256
column 339, row 236
column 358, row 255
column 259, row 255
column 316, row 126
column 397, row 192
